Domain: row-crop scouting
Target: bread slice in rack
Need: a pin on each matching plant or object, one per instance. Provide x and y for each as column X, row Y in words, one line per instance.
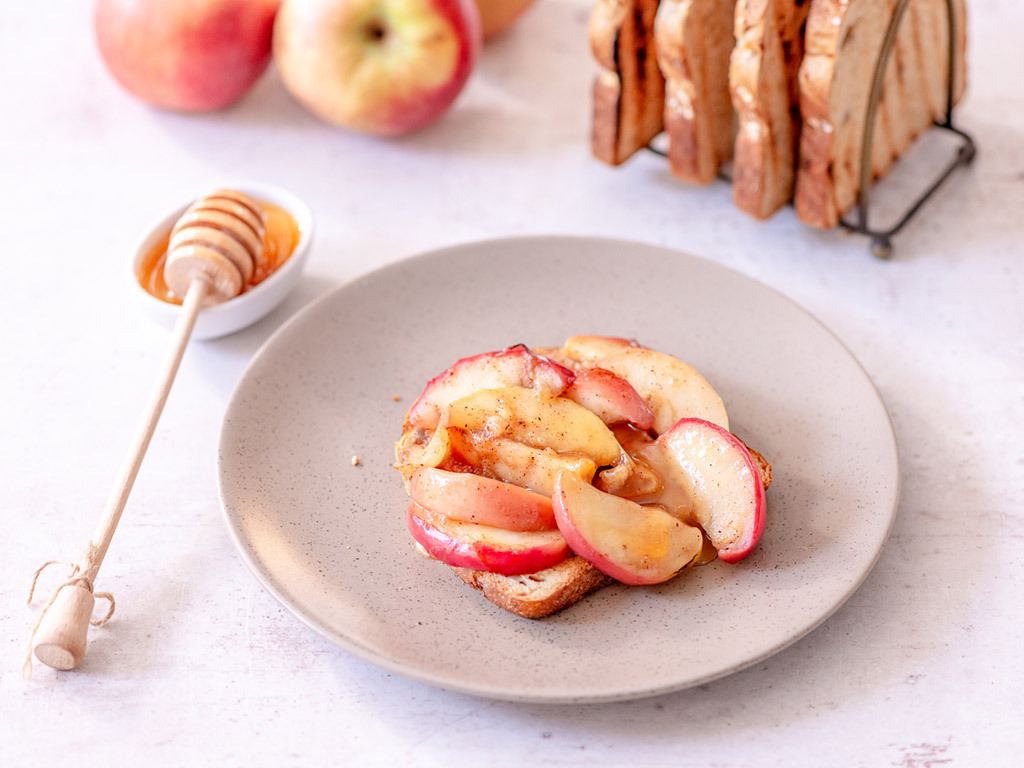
column 629, row 92
column 763, row 83
column 693, row 40
column 843, row 42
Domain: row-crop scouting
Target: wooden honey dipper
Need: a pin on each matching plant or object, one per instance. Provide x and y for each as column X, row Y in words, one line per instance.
column 215, row 249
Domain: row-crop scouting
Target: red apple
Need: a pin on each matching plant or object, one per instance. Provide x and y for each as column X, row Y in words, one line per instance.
column 513, row 367
column 498, row 15
column 187, row 55
column 611, row 397
column 387, row 67
column 483, row 547
column 714, row 474
column 475, row 499
column 631, row 543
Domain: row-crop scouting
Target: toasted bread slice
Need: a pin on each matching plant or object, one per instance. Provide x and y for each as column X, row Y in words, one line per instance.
column 693, row 40
column 629, row 92
column 538, row 594
column 843, row 40
column 763, row 82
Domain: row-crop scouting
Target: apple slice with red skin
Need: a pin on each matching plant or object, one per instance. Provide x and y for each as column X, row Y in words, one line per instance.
column 484, row 547
column 673, row 389
column 611, row 397
column 632, row 543
column 476, row 499
column 513, row 367
column 714, row 472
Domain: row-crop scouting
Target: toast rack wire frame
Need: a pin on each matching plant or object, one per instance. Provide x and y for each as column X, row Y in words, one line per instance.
column 881, row 239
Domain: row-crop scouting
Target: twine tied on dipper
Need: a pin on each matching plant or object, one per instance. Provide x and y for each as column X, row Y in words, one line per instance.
column 75, row 577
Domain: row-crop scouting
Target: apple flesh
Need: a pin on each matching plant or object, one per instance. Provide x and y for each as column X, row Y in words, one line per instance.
column 475, row 499
column 513, row 462
column 709, row 476
column 513, row 367
column 611, row 397
column 386, row 67
column 672, row 388
column 632, row 543
column 535, row 418
column 484, row 547
column 186, row 55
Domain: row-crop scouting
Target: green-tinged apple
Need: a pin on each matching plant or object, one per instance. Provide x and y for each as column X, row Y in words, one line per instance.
column 477, row 499
column 631, row 543
column 498, row 15
column 386, row 67
column 186, row 55
column 484, row 547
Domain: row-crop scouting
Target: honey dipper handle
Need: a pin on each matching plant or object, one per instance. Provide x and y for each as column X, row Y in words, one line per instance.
column 59, row 639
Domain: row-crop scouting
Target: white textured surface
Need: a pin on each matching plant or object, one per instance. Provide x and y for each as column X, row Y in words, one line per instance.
column 924, row 665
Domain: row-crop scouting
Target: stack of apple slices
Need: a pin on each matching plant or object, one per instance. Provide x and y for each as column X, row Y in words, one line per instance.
column 518, row 461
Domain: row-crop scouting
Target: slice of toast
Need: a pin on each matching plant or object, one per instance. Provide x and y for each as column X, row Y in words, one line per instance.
column 629, row 92
column 693, row 40
column 540, row 594
column 843, row 40
column 763, row 83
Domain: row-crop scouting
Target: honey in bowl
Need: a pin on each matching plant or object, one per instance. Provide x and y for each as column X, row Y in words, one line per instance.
column 279, row 241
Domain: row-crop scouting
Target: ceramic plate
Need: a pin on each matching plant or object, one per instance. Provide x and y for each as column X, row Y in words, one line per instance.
column 328, row 538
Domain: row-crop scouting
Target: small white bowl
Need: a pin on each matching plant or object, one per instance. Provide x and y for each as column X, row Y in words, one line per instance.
column 255, row 303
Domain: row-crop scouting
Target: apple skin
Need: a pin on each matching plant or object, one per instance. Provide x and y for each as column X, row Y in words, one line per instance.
column 483, row 547
column 716, row 471
column 611, row 397
column 513, row 367
column 498, row 15
column 476, row 499
column 631, row 543
column 384, row 67
column 186, row 55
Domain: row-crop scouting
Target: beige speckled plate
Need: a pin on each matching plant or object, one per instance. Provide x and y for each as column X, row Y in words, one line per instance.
column 328, row 539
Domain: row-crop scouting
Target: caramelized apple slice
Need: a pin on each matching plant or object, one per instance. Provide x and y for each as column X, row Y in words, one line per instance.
column 513, row 462
column 475, row 499
column 610, row 397
column 537, row 419
column 631, row 543
column 714, row 473
column 515, row 366
column 484, row 547
column 672, row 388
column 414, row 451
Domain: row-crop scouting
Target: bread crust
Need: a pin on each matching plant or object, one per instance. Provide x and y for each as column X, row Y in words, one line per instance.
column 629, row 92
column 693, row 40
column 539, row 594
column 763, row 71
column 843, row 39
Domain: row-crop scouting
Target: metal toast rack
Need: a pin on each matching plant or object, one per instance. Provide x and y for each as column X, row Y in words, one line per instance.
column 966, row 150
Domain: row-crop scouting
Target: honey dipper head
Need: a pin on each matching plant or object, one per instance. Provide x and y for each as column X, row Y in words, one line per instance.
column 219, row 238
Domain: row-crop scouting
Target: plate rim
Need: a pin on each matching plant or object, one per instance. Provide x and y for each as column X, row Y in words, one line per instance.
column 489, row 691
